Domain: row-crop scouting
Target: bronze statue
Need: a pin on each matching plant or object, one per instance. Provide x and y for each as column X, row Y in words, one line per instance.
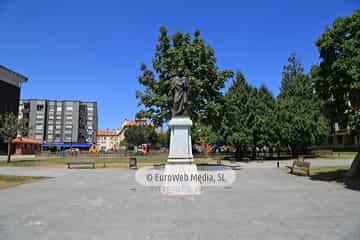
column 179, row 89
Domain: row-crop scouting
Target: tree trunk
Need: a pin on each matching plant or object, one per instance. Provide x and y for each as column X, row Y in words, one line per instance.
column 355, row 167
column 238, row 151
column 9, row 152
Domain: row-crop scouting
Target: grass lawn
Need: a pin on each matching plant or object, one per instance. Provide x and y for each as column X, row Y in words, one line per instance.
column 336, row 156
column 331, row 174
column 10, row 181
column 110, row 161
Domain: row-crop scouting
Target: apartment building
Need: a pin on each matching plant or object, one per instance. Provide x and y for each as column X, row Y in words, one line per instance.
column 52, row 121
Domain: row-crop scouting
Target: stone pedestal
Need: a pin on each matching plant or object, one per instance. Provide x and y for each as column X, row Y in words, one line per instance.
column 180, row 160
column 180, row 140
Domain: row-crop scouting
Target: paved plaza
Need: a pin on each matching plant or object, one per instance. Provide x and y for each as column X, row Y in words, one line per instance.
column 263, row 203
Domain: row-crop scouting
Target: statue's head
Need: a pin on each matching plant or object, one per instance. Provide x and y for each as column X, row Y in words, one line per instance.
column 180, row 71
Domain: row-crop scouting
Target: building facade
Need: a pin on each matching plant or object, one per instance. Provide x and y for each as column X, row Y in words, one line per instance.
column 10, row 83
column 108, row 140
column 52, row 121
column 343, row 139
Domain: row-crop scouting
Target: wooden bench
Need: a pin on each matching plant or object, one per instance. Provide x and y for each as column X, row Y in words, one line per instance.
column 81, row 161
column 302, row 165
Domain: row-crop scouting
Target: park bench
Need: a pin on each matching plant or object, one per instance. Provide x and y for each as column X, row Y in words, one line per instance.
column 302, row 165
column 82, row 161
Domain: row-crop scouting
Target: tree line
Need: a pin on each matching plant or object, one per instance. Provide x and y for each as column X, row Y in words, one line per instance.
column 254, row 117
column 300, row 116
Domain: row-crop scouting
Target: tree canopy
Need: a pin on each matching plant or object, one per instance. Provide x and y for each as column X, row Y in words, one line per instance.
column 187, row 55
column 337, row 76
column 237, row 113
column 141, row 134
column 301, row 121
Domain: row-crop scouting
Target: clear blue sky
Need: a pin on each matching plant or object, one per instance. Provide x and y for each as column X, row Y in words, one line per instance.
column 92, row 50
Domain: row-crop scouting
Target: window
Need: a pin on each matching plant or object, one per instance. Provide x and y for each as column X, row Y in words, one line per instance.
column 39, row 127
column 38, row 137
column 69, row 108
column 69, row 117
column 39, row 107
column 59, row 109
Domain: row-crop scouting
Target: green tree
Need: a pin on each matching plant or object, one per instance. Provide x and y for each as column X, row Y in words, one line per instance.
column 248, row 116
column 204, row 134
column 300, row 120
column 10, row 126
column 263, row 123
column 237, row 118
column 141, row 134
column 337, row 76
column 182, row 54
column 164, row 138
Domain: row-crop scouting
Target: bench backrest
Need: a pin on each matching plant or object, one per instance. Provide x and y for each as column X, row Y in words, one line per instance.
column 303, row 164
column 80, row 160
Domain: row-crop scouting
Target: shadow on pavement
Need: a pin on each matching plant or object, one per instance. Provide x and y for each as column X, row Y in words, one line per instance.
column 215, row 167
column 338, row 176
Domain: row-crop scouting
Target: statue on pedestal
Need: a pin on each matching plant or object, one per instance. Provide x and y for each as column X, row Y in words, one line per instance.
column 179, row 89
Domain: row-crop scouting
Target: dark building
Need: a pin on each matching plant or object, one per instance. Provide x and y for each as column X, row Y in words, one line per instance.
column 10, row 83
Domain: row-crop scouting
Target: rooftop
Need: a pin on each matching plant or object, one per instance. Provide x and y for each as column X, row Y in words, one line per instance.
column 107, row 133
column 25, row 140
column 20, row 76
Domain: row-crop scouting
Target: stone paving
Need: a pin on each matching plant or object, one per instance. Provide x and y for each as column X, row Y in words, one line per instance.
column 263, row 203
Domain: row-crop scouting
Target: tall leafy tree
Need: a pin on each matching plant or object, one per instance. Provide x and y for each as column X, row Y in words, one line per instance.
column 141, row 134
column 205, row 134
column 248, row 115
column 264, row 121
column 10, row 126
column 337, row 76
column 238, row 115
column 187, row 55
column 300, row 120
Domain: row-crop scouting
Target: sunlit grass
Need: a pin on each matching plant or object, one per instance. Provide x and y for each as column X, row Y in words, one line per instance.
column 10, row 180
